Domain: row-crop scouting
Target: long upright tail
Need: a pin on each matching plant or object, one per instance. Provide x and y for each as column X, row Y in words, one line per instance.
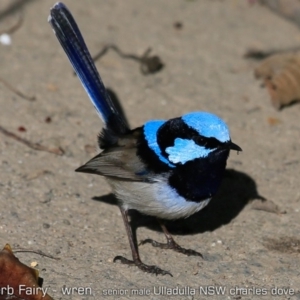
column 70, row 38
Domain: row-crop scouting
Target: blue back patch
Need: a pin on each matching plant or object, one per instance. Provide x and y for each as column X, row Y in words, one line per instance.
column 186, row 150
column 150, row 132
column 208, row 125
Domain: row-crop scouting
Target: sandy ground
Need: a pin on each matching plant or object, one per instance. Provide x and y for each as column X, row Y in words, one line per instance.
column 45, row 205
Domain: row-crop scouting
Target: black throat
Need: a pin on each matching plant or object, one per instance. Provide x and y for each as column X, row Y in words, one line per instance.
column 199, row 179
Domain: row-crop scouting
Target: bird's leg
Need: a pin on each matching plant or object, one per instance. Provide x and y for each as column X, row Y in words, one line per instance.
column 171, row 244
column 136, row 260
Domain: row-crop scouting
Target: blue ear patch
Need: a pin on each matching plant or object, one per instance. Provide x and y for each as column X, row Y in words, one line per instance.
column 208, row 125
column 186, row 150
column 150, row 132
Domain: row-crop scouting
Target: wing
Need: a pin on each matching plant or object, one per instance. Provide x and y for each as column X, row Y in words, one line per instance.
column 120, row 161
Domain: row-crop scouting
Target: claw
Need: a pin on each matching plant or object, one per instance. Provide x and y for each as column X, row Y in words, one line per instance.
column 171, row 244
column 145, row 268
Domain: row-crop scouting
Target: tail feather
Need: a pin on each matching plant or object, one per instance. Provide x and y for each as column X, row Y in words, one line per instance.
column 70, row 38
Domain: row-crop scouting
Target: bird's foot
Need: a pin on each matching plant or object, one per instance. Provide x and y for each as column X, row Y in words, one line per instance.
column 171, row 244
column 148, row 269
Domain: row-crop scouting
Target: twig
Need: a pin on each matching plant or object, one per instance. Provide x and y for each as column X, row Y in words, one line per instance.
column 262, row 54
column 148, row 64
column 15, row 27
column 35, row 146
column 39, row 252
column 118, row 51
column 14, row 90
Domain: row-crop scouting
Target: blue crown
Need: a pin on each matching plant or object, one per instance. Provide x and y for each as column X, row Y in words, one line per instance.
column 208, row 125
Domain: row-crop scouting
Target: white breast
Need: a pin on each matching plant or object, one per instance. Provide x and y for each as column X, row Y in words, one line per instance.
column 155, row 199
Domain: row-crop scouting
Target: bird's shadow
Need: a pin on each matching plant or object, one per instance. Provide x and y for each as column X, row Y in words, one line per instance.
column 236, row 191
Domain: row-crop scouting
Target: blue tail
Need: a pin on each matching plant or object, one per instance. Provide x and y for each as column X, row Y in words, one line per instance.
column 70, row 38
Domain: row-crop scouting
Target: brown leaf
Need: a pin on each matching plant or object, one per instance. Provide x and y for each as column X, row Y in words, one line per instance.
column 281, row 76
column 18, row 281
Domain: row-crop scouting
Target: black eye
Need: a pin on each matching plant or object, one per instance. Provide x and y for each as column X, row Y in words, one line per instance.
column 210, row 143
column 199, row 140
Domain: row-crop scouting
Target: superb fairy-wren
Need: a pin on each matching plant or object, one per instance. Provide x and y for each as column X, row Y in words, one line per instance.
column 166, row 169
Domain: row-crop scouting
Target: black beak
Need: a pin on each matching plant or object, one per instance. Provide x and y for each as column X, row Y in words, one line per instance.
column 233, row 146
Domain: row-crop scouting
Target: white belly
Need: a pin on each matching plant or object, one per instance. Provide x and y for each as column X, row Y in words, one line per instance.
column 154, row 199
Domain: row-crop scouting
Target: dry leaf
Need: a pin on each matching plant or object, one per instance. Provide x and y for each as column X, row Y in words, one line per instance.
column 18, row 281
column 281, row 76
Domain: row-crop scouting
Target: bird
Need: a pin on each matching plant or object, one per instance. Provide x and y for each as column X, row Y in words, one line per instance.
column 168, row 169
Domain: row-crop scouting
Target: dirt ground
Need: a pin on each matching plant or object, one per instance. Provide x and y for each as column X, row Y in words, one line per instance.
column 45, row 205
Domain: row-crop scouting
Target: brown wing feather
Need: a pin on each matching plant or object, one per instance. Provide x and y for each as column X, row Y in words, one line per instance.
column 120, row 161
